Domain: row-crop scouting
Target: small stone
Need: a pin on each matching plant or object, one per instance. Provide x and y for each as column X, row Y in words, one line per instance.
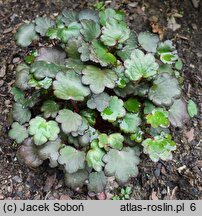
column 101, row 196
column 134, row 4
column 3, row 71
column 65, row 197
column 17, row 179
column 8, row 30
column 16, row 60
column 1, row 82
column 1, row 197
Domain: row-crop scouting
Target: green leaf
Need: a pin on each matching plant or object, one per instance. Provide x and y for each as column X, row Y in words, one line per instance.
column 137, row 136
column 44, row 83
column 148, row 107
column 148, row 41
column 99, row 102
column 168, row 58
column 164, row 90
column 43, row 24
column 90, row 30
column 130, row 45
column 158, row 117
column 140, row 65
column 20, row 113
column 94, row 156
column 72, row 47
column 18, row 132
column 76, row 180
column 165, row 47
column 89, row 115
column 178, row 115
column 132, row 105
column 99, row 53
column 50, row 151
column 114, row 140
column 98, row 79
column 70, row 121
column 130, row 123
column 103, row 140
column 82, row 128
column 192, row 108
column 50, row 108
column 73, row 30
column 114, row 32
column 30, row 58
column 165, row 68
column 18, row 94
column 97, row 182
column 68, row 17
column 25, row 35
column 126, row 166
column 179, row 64
column 22, row 76
column 68, row 86
column 75, row 64
column 51, row 55
column 159, row 147
column 43, row 130
column 88, row 14
column 28, row 153
column 42, row 69
column 72, row 159
column 114, row 110
column 84, row 51
column 167, row 52
column 52, row 33
column 109, row 14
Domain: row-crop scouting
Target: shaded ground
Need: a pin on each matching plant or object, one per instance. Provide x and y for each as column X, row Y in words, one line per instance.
column 177, row 179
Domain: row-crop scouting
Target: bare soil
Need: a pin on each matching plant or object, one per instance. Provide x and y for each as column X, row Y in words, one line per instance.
column 176, row 179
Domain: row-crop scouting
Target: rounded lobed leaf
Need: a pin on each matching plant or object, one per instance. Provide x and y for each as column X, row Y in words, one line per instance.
column 72, row 159
column 26, row 34
column 178, row 114
column 50, row 150
column 50, row 108
column 114, row 110
column 130, row 123
column 20, row 113
column 51, row 55
column 159, row 147
column 97, row 182
column 18, row 132
column 43, row 24
column 43, row 130
column 126, row 166
column 68, row 86
column 94, row 156
column 114, row 32
column 148, row 41
column 140, row 65
column 28, row 154
column 69, row 120
column 158, row 117
column 90, row 30
column 98, row 79
column 99, row 102
column 76, row 180
column 159, row 93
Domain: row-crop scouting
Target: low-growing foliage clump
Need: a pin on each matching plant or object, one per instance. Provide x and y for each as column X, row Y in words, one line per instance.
column 94, row 95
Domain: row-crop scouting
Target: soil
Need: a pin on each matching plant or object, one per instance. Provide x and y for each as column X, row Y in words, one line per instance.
column 176, row 179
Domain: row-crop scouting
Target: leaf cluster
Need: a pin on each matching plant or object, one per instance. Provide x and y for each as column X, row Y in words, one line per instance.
column 94, row 95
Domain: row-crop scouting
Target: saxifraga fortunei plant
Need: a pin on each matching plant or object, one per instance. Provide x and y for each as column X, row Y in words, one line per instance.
column 93, row 95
